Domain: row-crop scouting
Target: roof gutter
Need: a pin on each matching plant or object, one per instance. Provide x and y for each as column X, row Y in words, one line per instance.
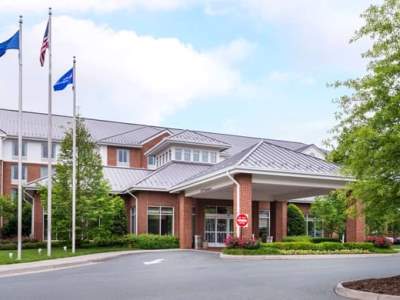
column 237, row 199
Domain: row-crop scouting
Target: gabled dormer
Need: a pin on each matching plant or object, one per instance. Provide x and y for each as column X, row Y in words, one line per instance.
column 187, row 146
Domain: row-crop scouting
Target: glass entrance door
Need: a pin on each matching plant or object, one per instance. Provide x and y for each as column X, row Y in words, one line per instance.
column 218, row 224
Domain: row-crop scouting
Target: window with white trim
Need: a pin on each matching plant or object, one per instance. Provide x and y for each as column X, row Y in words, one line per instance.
column 15, row 148
column 14, row 173
column 213, row 157
column 151, row 160
column 44, row 171
column 187, row 154
column 204, row 156
column 160, row 220
column 178, row 153
column 196, row 155
column 45, row 150
column 123, row 157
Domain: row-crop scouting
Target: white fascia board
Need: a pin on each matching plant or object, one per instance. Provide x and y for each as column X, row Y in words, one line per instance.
column 233, row 170
column 149, row 189
column 217, row 186
column 120, row 145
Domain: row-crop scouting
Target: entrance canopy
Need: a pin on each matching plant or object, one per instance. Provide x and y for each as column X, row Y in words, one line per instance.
column 276, row 173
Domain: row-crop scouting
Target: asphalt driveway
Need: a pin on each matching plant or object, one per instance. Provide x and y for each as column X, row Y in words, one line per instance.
column 197, row 275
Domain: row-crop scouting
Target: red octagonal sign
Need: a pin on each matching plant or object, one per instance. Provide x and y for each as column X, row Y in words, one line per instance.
column 242, row 220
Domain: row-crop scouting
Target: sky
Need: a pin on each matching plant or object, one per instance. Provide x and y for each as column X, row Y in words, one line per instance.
column 249, row 67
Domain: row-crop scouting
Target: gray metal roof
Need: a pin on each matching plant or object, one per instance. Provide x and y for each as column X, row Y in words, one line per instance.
column 119, row 179
column 169, row 175
column 265, row 156
column 35, row 127
column 196, row 138
column 133, row 137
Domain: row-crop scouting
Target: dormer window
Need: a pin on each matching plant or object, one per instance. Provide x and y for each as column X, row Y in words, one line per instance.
column 213, row 157
column 178, row 154
column 123, row 157
column 196, row 155
column 187, row 154
column 204, row 156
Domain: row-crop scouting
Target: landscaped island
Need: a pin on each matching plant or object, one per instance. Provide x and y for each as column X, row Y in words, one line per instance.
column 303, row 246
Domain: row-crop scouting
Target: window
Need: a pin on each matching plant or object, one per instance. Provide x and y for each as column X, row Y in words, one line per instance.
column 264, row 224
column 14, row 194
column 133, row 220
column 196, row 155
column 14, row 172
column 15, row 148
column 160, row 220
column 311, row 227
column 122, row 157
column 187, row 154
column 44, row 171
column 213, row 157
column 178, row 154
column 151, row 160
column 45, row 150
column 204, row 156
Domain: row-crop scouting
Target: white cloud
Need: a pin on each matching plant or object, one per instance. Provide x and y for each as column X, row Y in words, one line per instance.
column 120, row 75
column 103, row 6
column 234, row 52
column 286, row 77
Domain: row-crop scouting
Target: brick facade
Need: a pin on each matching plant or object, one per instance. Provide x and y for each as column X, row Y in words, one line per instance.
column 246, row 205
column 151, row 143
column 278, row 220
column 38, row 218
column 355, row 225
column 185, row 221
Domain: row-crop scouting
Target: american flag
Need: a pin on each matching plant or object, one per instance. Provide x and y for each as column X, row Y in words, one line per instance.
column 45, row 45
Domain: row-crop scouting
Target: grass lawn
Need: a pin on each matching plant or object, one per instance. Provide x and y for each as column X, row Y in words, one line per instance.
column 396, row 247
column 29, row 255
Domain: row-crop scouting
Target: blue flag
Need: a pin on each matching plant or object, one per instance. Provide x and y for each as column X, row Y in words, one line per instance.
column 65, row 80
column 11, row 43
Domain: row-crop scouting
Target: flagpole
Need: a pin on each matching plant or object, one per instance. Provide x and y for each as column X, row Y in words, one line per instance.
column 49, row 145
column 74, row 155
column 19, row 250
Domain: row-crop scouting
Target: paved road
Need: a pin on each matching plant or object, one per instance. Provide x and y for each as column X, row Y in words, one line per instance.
column 196, row 275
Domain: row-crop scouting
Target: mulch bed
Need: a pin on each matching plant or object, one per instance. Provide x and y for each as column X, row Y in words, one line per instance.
column 389, row 286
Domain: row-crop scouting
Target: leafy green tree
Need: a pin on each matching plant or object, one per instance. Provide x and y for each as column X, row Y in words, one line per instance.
column 8, row 213
column 330, row 212
column 295, row 220
column 96, row 208
column 368, row 130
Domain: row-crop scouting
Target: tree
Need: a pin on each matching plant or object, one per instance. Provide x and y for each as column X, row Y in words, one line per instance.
column 9, row 216
column 330, row 212
column 368, row 129
column 295, row 219
column 97, row 210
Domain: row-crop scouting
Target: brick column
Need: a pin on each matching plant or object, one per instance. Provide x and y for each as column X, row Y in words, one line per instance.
column 141, row 212
column 185, row 221
column 246, row 197
column 279, row 220
column 255, row 216
column 129, row 203
column 38, row 218
column 355, row 224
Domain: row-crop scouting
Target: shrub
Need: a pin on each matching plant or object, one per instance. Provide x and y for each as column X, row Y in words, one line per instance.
column 259, row 251
column 152, row 241
column 318, row 240
column 234, row 242
column 295, row 221
column 298, row 238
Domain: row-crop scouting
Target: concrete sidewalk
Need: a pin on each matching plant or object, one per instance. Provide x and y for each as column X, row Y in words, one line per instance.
column 68, row 262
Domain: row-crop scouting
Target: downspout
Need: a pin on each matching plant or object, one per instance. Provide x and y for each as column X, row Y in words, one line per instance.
column 136, row 211
column 238, row 199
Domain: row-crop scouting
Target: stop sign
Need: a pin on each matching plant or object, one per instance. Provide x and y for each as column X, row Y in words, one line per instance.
column 242, row 220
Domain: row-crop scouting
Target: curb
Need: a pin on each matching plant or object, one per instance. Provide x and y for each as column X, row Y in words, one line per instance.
column 68, row 262
column 302, row 257
column 355, row 294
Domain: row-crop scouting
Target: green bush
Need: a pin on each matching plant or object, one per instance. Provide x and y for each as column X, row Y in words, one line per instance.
column 297, row 238
column 295, row 220
column 259, row 251
column 30, row 245
column 318, row 240
column 152, row 241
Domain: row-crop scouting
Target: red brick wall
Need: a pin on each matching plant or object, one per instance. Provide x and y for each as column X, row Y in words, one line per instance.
column 278, row 220
column 33, row 171
column 146, row 199
column 305, row 207
column 38, row 218
column 111, row 156
column 185, row 221
column 246, row 205
column 355, row 225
